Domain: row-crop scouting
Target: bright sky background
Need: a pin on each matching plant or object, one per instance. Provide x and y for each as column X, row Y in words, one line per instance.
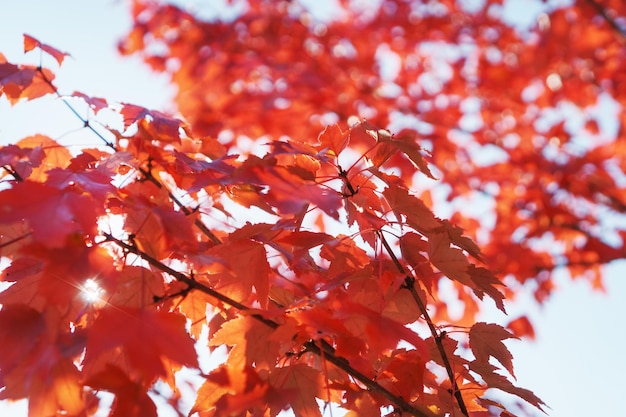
column 576, row 365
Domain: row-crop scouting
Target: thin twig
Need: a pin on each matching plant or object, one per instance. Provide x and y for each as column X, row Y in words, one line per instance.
column 73, row 110
column 146, row 173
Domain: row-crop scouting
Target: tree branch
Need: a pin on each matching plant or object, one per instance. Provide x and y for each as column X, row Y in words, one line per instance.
column 409, row 284
column 602, row 12
column 13, row 173
column 327, row 354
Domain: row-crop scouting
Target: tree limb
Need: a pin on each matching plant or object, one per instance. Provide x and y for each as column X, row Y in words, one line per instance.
column 326, row 352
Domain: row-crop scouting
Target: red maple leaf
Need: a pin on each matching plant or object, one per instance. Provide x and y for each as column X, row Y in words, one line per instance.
column 31, row 43
column 131, row 330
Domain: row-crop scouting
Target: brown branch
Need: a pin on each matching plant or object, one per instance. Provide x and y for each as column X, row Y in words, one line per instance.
column 409, row 284
column 327, row 352
column 15, row 240
column 373, row 386
column 191, row 283
column 13, row 173
column 601, row 10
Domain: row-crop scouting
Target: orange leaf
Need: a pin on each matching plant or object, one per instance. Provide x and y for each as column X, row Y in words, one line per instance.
column 334, row 139
column 24, row 81
column 521, row 327
column 231, row 391
column 243, row 267
column 417, row 215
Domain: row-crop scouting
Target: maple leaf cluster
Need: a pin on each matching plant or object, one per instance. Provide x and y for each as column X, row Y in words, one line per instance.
column 120, row 256
column 516, row 118
column 313, row 257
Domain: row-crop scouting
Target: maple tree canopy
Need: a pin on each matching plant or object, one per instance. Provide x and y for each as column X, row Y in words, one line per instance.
column 288, row 210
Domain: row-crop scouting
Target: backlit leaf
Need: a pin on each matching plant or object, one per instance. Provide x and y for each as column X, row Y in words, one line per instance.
column 31, row 43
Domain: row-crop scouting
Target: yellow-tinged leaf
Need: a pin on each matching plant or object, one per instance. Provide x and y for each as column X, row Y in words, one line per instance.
column 67, row 387
column 56, row 155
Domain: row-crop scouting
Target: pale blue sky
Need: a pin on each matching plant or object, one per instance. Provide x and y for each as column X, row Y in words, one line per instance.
column 575, row 365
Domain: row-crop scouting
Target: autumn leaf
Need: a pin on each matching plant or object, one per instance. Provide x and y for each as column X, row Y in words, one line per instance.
column 449, row 260
column 22, row 267
column 485, row 282
column 521, row 327
column 53, row 156
column 251, row 342
column 406, row 370
column 405, row 143
column 495, row 380
column 21, row 160
column 22, row 81
column 363, row 406
column 286, row 190
column 135, row 287
column 152, row 124
column 231, row 391
column 73, row 212
column 344, row 255
column 130, row 398
column 243, row 267
column 20, row 330
column 132, row 329
column 485, row 340
column 333, row 139
column 95, row 103
column 417, row 214
column 31, row 43
column 63, row 390
column 299, row 385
